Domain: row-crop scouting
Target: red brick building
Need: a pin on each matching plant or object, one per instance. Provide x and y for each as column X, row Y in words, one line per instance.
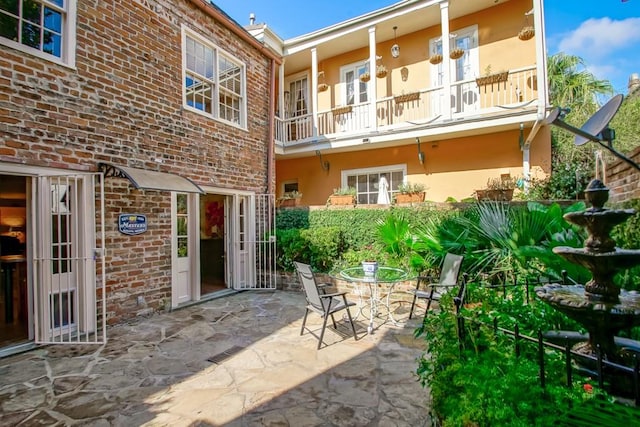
column 135, row 162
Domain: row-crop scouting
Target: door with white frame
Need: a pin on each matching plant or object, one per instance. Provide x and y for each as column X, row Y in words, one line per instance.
column 355, row 94
column 184, row 244
column 69, row 307
column 464, row 91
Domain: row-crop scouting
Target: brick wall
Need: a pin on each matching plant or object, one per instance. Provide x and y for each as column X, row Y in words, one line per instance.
column 623, row 180
column 123, row 105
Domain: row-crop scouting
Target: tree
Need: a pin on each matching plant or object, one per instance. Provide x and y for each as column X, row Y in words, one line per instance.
column 570, row 86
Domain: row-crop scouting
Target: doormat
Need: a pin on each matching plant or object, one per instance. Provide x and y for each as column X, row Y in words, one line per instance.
column 221, row 357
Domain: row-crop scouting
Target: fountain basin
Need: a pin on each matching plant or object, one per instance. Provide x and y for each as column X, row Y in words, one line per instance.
column 603, row 320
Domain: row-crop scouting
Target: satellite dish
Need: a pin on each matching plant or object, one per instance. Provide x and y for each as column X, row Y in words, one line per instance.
column 599, row 120
column 596, row 129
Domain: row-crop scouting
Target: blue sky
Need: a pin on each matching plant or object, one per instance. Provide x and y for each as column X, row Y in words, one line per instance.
column 605, row 33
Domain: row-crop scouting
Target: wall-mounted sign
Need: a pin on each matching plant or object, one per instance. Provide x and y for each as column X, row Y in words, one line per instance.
column 132, row 224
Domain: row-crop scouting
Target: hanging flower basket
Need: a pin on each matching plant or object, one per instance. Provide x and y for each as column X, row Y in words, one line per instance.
column 322, row 87
column 435, row 59
column 526, row 33
column 365, row 77
column 456, row 53
column 381, row 71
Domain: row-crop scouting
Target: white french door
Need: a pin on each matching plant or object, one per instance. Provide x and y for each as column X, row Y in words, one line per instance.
column 184, row 244
column 464, row 70
column 355, row 93
column 69, row 308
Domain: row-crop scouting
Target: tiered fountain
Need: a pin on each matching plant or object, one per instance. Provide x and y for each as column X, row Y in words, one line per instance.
column 600, row 305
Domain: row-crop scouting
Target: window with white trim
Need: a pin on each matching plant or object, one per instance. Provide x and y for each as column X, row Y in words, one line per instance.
column 355, row 90
column 365, row 181
column 214, row 81
column 44, row 28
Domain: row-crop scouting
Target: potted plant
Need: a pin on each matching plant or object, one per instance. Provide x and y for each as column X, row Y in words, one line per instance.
column 289, row 199
column 490, row 78
column 498, row 189
column 410, row 193
column 343, row 196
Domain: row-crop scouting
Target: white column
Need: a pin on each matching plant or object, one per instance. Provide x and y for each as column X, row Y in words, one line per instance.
column 373, row 83
column 314, row 90
column 541, row 58
column 446, row 61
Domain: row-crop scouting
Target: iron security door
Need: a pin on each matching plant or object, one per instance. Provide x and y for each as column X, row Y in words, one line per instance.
column 67, row 218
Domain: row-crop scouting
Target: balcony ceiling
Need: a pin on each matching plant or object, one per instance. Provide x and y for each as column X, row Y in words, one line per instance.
column 409, row 16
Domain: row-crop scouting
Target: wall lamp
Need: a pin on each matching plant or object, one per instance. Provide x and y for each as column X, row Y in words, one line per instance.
column 420, row 153
column 323, row 163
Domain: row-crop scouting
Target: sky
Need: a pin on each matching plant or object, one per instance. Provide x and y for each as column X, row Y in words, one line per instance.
column 604, row 33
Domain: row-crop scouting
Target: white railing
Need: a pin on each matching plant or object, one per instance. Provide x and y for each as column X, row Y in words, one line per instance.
column 518, row 87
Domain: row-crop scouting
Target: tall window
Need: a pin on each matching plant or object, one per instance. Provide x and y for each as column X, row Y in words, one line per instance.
column 298, row 97
column 45, row 28
column 356, row 91
column 366, row 181
column 214, row 81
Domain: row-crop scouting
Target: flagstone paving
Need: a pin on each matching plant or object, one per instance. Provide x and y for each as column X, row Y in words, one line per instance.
column 232, row 361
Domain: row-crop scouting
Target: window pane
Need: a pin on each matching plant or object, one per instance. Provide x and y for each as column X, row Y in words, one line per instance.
column 31, row 35
column 61, row 306
column 181, row 200
column 8, row 27
column 183, row 247
column 53, row 44
column 199, row 94
column 10, row 6
column 31, row 11
column 52, row 20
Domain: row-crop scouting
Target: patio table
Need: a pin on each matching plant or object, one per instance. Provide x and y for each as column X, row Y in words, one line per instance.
column 379, row 299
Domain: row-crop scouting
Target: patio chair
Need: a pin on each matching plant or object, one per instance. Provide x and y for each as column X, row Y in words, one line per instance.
column 433, row 291
column 324, row 304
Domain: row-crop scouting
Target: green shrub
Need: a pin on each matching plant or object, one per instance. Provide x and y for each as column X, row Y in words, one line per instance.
column 320, row 247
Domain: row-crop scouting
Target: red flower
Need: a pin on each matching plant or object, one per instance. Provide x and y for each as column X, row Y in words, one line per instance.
column 588, row 388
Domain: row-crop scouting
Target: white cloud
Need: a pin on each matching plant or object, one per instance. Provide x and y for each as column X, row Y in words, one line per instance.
column 599, row 37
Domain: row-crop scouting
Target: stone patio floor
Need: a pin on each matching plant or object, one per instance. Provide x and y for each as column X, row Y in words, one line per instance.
column 232, row 361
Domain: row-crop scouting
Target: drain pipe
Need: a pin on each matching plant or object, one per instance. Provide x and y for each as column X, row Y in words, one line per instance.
column 543, row 94
column 270, row 132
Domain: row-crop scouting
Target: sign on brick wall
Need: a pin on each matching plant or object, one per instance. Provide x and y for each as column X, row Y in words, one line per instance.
column 132, row 224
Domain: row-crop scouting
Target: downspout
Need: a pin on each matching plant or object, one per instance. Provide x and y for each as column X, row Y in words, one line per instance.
column 236, row 29
column 270, row 133
column 543, row 93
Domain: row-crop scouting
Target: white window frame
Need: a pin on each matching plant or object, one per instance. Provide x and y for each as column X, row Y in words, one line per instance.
column 470, row 56
column 68, row 34
column 217, row 89
column 358, row 68
column 386, row 169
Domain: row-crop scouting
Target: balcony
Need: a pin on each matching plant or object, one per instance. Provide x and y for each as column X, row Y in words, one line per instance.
column 477, row 98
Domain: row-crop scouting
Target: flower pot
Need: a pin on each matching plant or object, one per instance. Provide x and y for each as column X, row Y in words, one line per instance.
column 456, row 53
column 370, row 268
column 526, row 33
column 365, row 77
column 289, row 203
column 493, row 78
column 322, row 87
column 343, row 200
column 409, row 197
column 435, row 59
column 407, row 97
column 495, row 195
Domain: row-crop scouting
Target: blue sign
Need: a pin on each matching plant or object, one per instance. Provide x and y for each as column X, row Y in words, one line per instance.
column 132, row 224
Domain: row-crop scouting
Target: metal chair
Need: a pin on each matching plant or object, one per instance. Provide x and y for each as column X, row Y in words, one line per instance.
column 324, row 304
column 448, row 280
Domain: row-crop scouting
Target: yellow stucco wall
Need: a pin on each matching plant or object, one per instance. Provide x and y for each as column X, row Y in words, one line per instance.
column 499, row 50
column 452, row 168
